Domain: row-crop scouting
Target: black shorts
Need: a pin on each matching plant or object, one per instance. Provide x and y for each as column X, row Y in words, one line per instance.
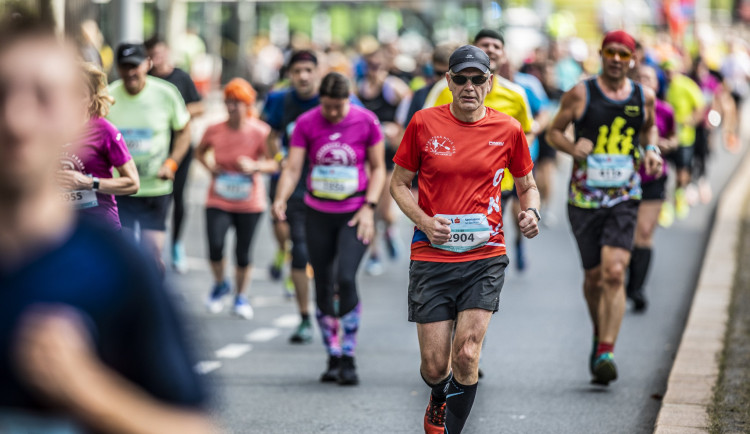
column 546, row 152
column 655, row 190
column 595, row 228
column 439, row 290
column 149, row 212
column 682, row 157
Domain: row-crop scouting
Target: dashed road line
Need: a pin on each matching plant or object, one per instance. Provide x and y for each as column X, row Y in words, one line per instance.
column 287, row 321
column 264, row 334
column 232, row 351
column 206, row 366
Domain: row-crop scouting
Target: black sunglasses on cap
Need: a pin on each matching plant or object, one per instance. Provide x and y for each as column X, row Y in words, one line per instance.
column 476, row 80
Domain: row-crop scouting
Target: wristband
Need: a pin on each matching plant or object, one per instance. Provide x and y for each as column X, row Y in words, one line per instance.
column 171, row 164
column 372, row 205
column 278, row 157
column 653, row 148
column 95, row 185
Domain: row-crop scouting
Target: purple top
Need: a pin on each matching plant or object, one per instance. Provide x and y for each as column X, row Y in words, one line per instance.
column 98, row 149
column 665, row 124
column 337, row 180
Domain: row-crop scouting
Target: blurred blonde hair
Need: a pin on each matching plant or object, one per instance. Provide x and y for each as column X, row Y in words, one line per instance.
column 96, row 84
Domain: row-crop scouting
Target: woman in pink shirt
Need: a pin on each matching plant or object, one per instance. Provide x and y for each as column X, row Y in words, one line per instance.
column 237, row 194
column 85, row 174
column 344, row 146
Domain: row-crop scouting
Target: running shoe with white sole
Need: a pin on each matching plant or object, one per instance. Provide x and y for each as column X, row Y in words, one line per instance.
column 179, row 259
column 214, row 302
column 242, row 308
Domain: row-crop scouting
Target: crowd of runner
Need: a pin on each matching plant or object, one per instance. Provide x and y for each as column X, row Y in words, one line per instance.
column 456, row 140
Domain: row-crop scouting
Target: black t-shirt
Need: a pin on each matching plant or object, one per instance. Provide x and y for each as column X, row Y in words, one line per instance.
column 119, row 295
column 182, row 81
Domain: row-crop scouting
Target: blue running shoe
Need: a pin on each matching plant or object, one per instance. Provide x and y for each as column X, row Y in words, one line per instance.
column 179, row 259
column 276, row 268
column 605, row 370
column 242, row 308
column 592, row 357
column 214, row 302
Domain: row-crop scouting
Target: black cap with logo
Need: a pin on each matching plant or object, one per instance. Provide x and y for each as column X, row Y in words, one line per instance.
column 469, row 56
column 131, row 54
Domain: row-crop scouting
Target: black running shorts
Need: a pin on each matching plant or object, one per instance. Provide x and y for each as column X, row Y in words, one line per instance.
column 682, row 157
column 595, row 228
column 149, row 212
column 654, row 190
column 439, row 290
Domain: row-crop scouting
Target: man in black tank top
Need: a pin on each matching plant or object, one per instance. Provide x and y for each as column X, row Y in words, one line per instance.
column 614, row 134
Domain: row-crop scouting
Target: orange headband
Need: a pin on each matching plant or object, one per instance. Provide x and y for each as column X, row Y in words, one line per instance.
column 241, row 90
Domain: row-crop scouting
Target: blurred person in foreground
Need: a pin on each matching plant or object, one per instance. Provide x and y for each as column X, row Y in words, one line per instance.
column 163, row 67
column 88, row 338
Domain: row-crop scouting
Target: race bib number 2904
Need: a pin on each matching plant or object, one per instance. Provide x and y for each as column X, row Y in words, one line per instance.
column 468, row 232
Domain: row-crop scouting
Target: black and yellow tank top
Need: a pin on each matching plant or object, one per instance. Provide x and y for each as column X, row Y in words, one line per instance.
column 610, row 174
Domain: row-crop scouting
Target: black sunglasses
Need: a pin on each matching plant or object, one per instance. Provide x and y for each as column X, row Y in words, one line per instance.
column 476, row 80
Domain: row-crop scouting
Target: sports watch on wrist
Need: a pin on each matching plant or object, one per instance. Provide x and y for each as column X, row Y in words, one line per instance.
column 536, row 213
column 95, row 185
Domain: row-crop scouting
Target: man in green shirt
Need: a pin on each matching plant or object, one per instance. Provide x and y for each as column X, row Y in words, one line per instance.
column 686, row 97
column 147, row 110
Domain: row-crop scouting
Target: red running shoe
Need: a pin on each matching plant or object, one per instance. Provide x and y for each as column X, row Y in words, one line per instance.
column 434, row 418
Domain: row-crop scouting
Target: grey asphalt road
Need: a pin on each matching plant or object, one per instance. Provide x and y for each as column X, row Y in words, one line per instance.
column 535, row 358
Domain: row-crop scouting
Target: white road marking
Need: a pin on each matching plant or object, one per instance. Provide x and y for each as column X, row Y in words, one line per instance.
column 269, row 301
column 232, row 351
column 263, row 335
column 287, row 321
column 207, row 366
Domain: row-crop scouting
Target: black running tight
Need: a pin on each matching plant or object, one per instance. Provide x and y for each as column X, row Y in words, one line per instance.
column 217, row 224
column 335, row 254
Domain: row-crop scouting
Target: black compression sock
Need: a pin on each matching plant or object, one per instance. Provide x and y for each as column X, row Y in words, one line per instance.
column 305, row 316
column 440, row 389
column 460, row 400
column 639, row 264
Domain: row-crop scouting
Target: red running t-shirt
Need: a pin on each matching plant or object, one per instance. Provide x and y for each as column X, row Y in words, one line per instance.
column 460, row 168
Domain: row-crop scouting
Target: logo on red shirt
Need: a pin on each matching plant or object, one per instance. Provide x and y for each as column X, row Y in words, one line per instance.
column 457, row 220
column 439, row 145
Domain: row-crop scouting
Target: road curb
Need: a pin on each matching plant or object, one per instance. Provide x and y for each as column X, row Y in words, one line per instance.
column 696, row 366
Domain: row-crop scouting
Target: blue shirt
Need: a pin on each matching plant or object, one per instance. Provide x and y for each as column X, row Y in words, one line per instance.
column 538, row 101
column 119, row 295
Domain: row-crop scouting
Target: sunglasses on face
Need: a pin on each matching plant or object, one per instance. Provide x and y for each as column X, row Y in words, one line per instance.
column 475, row 79
column 610, row 53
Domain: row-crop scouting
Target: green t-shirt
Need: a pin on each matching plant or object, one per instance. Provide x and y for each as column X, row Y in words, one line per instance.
column 146, row 121
column 685, row 96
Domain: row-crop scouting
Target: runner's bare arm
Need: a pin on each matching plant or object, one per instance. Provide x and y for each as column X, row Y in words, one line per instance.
column 272, row 143
column 364, row 218
column 264, row 164
column 201, row 153
column 196, row 109
column 289, row 178
column 437, row 229
column 650, row 135
column 572, row 104
column 128, row 183
column 55, row 356
column 528, row 196
column 179, row 149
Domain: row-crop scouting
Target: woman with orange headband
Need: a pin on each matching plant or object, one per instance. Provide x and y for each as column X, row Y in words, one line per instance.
column 237, row 194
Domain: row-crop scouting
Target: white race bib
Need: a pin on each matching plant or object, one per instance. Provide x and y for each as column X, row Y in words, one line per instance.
column 468, row 232
column 139, row 141
column 233, row 186
column 608, row 170
column 80, row 199
column 334, row 182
